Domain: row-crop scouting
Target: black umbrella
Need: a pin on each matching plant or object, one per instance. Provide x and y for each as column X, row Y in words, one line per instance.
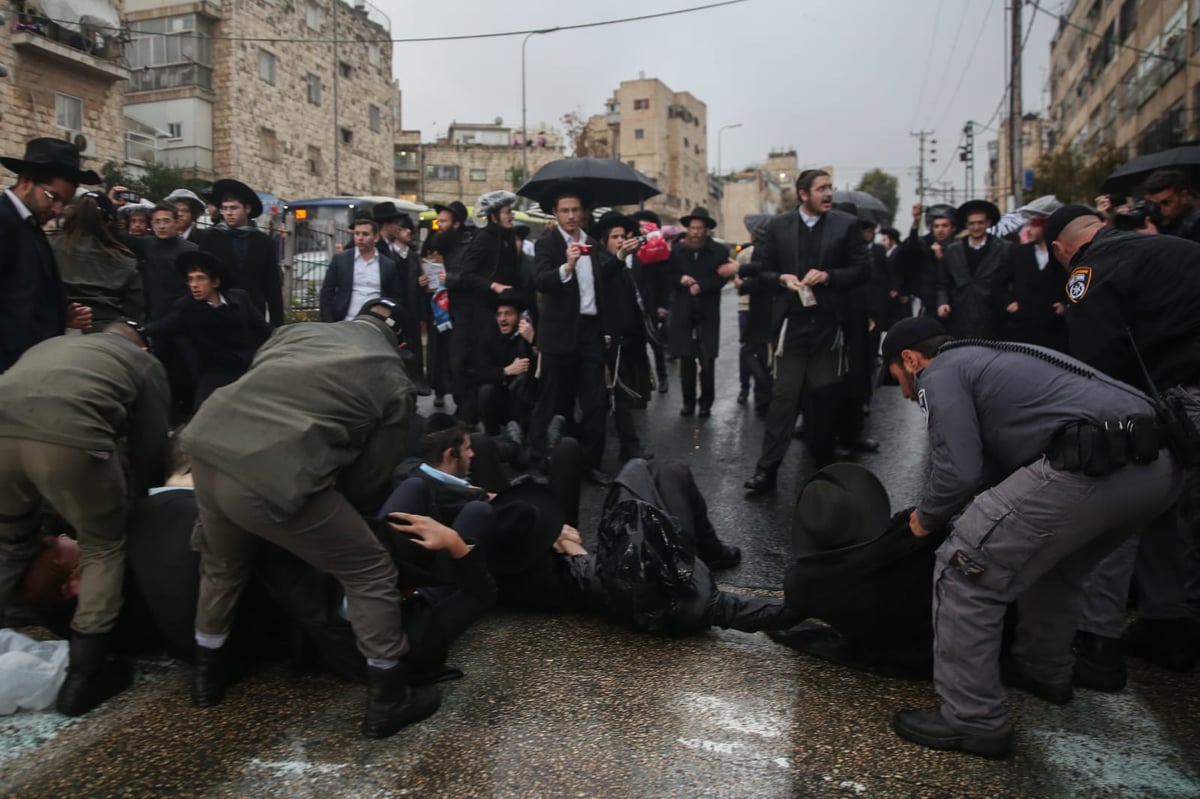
column 869, row 206
column 1131, row 174
column 606, row 180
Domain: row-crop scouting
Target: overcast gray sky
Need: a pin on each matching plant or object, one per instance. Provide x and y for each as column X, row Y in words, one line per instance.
column 843, row 82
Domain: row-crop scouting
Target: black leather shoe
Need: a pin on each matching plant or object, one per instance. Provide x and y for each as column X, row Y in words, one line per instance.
column 743, row 397
column 724, row 556
column 761, row 483
column 392, row 703
column 93, row 676
column 210, row 678
column 928, row 728
column 686, row 410
column 554, row 432
column 1171, row 643
column 599, row 477
column 1099, row 663
column 1012, row 676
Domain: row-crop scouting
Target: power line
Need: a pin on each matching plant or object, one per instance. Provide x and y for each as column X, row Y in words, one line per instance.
column 962, row 18
column 928, row 60
column 416, row 39
column 963, row 75
column 1064, row 20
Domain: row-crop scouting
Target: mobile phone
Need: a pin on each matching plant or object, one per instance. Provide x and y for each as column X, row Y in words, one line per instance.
column 130, row 196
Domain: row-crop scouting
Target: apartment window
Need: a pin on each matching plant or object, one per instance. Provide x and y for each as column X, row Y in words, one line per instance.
column 373, row 54
column 266, row 66
column 696, row 149
column 345, row 70
column 314, row 161
column 312, row 17
column 441, row 172
column 686, row 143
column 639, row 133
column 268, row 144
column 641, row 105
column 1127, row 20
column 376, row 118
column 347, row 135
column 168, row 52
column 313, row 85
column 175, row 130
column 478, row 175
column 68, row 111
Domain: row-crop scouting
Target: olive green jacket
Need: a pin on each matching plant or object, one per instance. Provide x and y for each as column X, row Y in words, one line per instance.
column 107, row 281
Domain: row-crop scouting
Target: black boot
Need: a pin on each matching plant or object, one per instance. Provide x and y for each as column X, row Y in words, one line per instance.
column 92, row 675
column 1099, row 663
column 392, row 703
column 211, row 676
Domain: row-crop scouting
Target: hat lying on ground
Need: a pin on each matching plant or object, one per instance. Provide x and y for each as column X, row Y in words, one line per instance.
column 841, row 507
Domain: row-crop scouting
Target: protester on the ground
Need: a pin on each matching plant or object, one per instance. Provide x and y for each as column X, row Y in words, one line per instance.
column 1023, row 424
column 97, row 269
column 33, row 300
column 248, row 252
column 83, row 427
column 507, row 382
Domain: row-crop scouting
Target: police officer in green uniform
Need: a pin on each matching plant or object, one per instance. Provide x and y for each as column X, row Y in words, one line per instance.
column 1045, row 465
column 1132, row 314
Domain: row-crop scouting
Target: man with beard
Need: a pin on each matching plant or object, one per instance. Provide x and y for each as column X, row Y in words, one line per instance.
column 33, row 301
column 698, row 269
column 446, row 248
column 247, row 251
column 810, row 259
column 1032, row 291
column 967, row 273
column 919, row 256
column 1170, row 190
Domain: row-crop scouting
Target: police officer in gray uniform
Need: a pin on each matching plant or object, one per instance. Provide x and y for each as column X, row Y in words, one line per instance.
column 1051, row 465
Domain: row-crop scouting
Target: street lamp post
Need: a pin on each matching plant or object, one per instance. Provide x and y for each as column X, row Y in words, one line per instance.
column 524, row 132
column 719, row 132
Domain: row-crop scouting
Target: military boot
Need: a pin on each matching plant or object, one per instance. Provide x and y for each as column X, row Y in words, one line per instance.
column 393, row 703
column 92, row 675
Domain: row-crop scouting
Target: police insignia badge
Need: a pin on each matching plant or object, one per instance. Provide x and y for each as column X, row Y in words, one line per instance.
column 1078, row 283
column 964, row 564
column 924, row 405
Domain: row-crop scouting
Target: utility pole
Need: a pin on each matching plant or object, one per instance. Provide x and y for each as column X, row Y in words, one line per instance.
column 921, row 136
column 1015, row 128
column 337, row 133
column 967, row 156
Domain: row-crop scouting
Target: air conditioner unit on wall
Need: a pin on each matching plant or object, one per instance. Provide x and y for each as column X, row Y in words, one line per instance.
column 85, row 142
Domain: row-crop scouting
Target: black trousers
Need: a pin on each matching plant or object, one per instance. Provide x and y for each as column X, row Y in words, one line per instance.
column 689, row 368
column 683, row 500
column 570, row 378
column 498, row 406
column 805, row 377
column 437, row 364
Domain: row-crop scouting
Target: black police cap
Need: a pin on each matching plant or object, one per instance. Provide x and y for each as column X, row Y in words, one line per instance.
column 1064, row 216
column 904, row 335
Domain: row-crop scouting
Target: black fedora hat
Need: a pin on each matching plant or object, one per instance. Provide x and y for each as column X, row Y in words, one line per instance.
column 611, row 219
column 191, row 260
column 842, row 507
column 509, row 297
column 976, row 207
column 228, row 187
column 59, row 158
column 564, row 188
column 529, row 519
column 387, row 211
column 456, row 209
column 701, row 213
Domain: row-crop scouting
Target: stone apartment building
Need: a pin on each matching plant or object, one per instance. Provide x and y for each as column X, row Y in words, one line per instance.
column 65, row 80
column 664, row 135
column 470, row 159
column 755, row 190
column 1121, row 73
column 304, row 111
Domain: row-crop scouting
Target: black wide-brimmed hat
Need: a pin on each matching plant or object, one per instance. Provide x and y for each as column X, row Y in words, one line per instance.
column 701, row 213
column 841, row 507
column 59, row 158
column 510, row 297
column 191, row 260
column 456, row 209
column 529, row 519
column 387, row 211
column 611, row 219
column 228, row 187
column 976, row 207
column 564, row 188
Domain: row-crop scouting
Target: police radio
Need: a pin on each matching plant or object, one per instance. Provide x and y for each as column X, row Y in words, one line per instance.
column 1171, row 407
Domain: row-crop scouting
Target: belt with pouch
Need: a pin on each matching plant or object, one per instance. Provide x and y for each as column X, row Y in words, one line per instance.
column 1100, row 449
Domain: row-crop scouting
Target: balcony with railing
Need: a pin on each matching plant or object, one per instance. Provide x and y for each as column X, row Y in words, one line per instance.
column 85, row 36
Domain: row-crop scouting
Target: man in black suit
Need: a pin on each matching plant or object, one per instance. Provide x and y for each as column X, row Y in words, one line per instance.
column 447, row 247
column 919, row 255
column 1033, row 292
column 809, row 258
column 571, row 337
column 967, row 301
column 249, row 253
column 355, row 276
column 395, row 241
column 33, row 301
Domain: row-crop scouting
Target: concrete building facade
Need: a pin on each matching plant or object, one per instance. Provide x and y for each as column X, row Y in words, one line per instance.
column 305, row 111
column 64, row 81
column 1121, row 74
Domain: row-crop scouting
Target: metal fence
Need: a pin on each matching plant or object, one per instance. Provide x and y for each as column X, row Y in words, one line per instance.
column 306, row 256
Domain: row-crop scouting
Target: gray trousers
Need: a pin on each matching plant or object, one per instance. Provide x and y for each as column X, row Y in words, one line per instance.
column 327, row 533
column 1033, row 539
column 88, row 490
column 799, row 373
column 1165, row 558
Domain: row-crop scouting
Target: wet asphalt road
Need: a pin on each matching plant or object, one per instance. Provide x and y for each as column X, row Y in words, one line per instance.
column 569, row 706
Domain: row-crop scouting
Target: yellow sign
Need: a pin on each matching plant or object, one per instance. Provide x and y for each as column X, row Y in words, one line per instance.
column 302, row 213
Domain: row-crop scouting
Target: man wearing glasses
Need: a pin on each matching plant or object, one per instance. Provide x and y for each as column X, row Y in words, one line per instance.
column 33, row 301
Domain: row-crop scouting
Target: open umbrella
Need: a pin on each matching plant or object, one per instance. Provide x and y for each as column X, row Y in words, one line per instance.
column 869, row 206
column 1131, row 174
column 607, row 181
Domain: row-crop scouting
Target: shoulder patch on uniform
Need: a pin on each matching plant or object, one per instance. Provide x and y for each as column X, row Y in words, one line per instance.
column 923, row 403
column 1078, row 283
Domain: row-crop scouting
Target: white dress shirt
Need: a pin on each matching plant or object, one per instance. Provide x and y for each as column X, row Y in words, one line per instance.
column 810, row 221
column 587, row 278
column 20, row 206
column 366, row 282
column 1043, row 257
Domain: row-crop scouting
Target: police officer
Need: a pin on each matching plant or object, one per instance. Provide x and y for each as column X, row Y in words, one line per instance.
column 1126, row 290
column 294, row 468
column 1066, row 480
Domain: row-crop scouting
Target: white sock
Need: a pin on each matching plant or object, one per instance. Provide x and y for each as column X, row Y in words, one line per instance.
column 382, row 663
column 211, row 641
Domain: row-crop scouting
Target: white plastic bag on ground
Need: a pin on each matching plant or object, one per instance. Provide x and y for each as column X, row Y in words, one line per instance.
column 31, row 672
